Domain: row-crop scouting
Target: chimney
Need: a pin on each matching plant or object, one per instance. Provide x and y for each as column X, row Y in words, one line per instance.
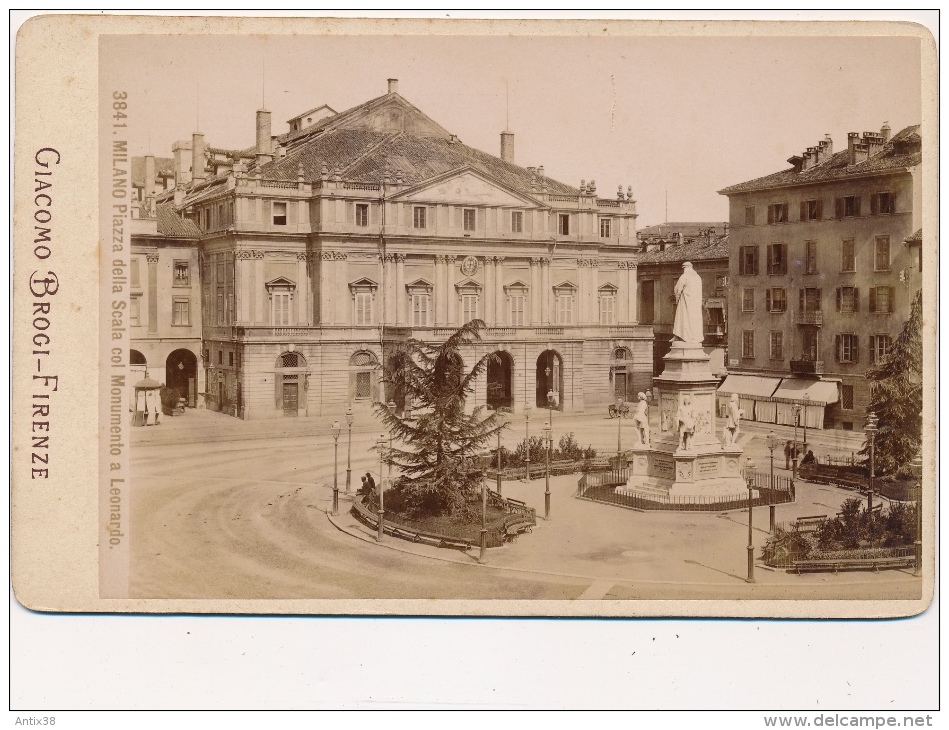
column 858, row 152
column 507, row 146
column 149, row 188
column 198, row 158
column 885, row 131
column 264, row 138
column 874, row 143
column 393, row 86
column 182, row 152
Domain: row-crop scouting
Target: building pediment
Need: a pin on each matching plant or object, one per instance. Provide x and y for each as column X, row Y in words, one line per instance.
column 281, row 282
column 420, row 285
column 363, row 284
column 469, row 285
column 466, row 187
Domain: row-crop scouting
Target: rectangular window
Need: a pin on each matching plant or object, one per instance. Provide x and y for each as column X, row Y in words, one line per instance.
column 777, row 299
column 281, row 309
column 748, row 299
column 881, row 204
column 363, row 308
column 846, row 397
column 778, row 213
column 848, row 255
column 563, row 224
column 279, row 213
column 469, row 307
column 607, row 310
column 777, row 345
column 518, row 310
column 606, row 227
column 135, row 311
column 777, row 259
column 880, row 347
column 363, row 385
column 181, row 273
column 748, row 343
column 420, row 309
column 810, row 257
column 220, row 357
column 564, row 309
column 230, row 309
column 362, row 214
column 469, row 218
column 881, row 254
column 846, row 346
column 220, row 309
column 517, row 222
column 749, row 215
column 230, row 359
column 811, row 210
column 847, row 207
column 647, row 302
column 418, row 217
column 810, row 300
column 848, row 299
column 134, row 273
column 748, row 261
column 881, row 299
column 810, row 344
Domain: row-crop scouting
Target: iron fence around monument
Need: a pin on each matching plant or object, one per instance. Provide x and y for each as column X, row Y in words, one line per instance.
column 601, row 487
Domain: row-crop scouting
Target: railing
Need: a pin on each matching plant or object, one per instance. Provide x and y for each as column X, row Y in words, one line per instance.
column 807, row 367
column 563, row 198
column 502, row 331
column 808, row 317
column 547, row 331
column 360, row 186
column 603, row 203
column 280, row 184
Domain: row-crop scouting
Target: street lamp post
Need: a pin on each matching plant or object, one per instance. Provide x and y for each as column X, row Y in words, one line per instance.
column 549, row 439
column 527, row 442
column 484, row 520
column 871, row 430
column 917, row 465
column 502, row 419
column 797, row 417
column 550, row 442
column 391, row 406
column 349, row 448
column 807, row 400
column 381, row 444
column 336, row 430
column 749, row 477
column 771, row 442
column 619, row 426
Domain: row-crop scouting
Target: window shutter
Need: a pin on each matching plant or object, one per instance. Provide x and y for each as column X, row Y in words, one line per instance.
column 801, row 301
column 803, row 210
column 856, row 205
column 874, row 204
column 767, row 299
column 820, row 300
column 873, row 299
column 856, row 299
column 856, row 348
column 784, row 212
column 770, row 214
column 820, row 209
column 837, row 341
column 873, row 349
column 741, row 261
column 891, row 297
column 838, row 208
column 838, row 298
column 755, row 259
column 891, row 203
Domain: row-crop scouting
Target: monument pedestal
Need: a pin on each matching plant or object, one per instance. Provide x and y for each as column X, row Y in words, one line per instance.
column 705, row 468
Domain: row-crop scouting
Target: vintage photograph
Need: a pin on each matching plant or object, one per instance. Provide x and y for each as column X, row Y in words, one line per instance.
column 517, row 317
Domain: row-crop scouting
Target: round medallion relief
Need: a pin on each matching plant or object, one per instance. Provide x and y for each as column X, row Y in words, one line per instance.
column 469, row 266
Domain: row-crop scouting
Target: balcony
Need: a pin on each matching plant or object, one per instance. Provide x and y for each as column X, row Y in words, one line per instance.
column 810, row 318
column 807, row 367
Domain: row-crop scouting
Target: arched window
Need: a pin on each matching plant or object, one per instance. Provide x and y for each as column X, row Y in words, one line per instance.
column 136, row 358
column 621, row 353
column 363, row 380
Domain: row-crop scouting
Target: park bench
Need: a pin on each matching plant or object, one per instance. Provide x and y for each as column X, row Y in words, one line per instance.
column 809, row 523
column 837, row 564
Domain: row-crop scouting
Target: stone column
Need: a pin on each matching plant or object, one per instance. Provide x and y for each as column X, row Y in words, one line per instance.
column 439, row 291
column 400, row 289
column 583, row 291
column 632, row 288
column 260, row 314
column 593, row 313
column 545, row 294
column 450, row 295
column 243, row 272
column 499, row 317
column 387, row 315
column 326, row 292
column 152, row 259
column 343, row 306
column 303, row 318
column 535, row 288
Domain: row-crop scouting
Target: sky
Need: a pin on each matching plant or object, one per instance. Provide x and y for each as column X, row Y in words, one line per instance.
column 673, row 117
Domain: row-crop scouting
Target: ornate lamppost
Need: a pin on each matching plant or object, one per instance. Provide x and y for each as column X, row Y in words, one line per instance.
column 771, row 442
column 484, row 520
column 870, row 429
column 381, row 444
column 391, row 406
column 549, row 438
column 527, row 442
column 918, row 543
column 550, row 442
column 750, row 479
column 619, row 427
column 797, row 417
column 807, row 401
column 503, row 422
column 336, row 430
column 349, row 448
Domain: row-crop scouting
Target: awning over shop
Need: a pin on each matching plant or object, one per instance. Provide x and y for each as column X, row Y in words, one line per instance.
column 818, row 392
column 752, row 386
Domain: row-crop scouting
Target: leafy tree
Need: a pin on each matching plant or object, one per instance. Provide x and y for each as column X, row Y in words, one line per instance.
column 439, row 440
column 896, row 396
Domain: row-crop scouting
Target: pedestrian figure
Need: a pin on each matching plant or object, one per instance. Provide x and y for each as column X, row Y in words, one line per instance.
column 370, row 483
column 787, row 454
column 809, row 458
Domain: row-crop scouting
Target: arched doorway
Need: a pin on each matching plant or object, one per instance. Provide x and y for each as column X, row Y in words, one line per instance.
column 290, row 383
column 181, row 373
column 549, row 378
column 620, row 373
column 500, row 369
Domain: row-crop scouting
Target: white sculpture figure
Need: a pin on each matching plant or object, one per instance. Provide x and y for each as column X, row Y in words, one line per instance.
column 641, row 419
column 685, row 422
column 688, row 294
column 733, row 418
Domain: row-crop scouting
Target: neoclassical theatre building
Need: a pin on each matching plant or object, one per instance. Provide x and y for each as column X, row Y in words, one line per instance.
column 298, row 265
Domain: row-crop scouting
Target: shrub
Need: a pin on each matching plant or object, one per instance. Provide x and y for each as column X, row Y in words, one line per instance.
column 169, row 398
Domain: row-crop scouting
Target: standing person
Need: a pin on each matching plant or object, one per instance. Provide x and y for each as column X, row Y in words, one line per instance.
column 370, row 483
column 787, row 454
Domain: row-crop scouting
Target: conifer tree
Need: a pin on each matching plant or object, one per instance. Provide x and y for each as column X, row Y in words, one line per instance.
column 438, row 440
column 896, row 396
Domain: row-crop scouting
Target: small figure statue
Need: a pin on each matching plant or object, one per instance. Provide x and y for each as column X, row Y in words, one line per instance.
column 641, row 419
column 687, row 326
column 733, row 418
column 685, row 422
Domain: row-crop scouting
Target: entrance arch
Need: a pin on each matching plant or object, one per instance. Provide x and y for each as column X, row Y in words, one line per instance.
column 181, row 373
column 500, row 371
column 549, row 359
column 290, row 383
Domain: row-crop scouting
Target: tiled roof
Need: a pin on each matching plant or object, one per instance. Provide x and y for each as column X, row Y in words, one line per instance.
column 916, row 237
column 163, row 166
column 891, row 157
column 172, row 225
column 687, row 228
column 696, row 251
